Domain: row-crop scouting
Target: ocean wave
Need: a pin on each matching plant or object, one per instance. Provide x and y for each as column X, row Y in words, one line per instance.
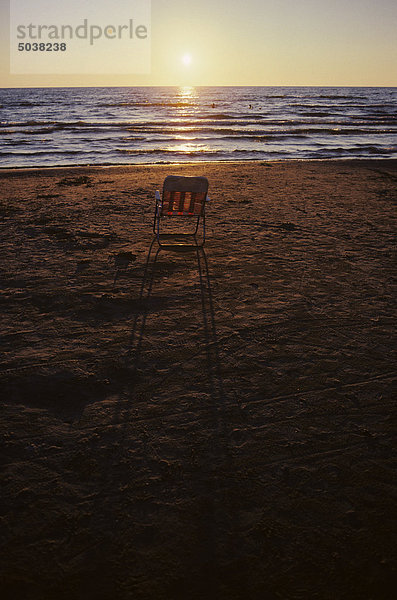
column 134, row 138
column 26, row 104
column 22, row 142
column 190, row 152
column 342, row 131
column 317, row 113
column 43, row 152
column 187, row 126
column 244, row 151
column 217, row 116
column 260, row 138
column 147, row 104
column 25, row 123
column 335, row 97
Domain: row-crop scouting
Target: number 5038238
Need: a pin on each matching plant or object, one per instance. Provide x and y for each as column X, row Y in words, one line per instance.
column 41, row 47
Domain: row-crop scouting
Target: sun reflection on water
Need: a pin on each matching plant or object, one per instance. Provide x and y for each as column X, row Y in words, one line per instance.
column 187, row 92
column 185, row 113
column 188, row 148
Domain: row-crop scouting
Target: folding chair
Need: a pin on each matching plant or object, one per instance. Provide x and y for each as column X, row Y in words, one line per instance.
column 181, row 197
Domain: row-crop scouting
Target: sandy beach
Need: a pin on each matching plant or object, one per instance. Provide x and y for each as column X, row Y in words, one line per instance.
column 207, row 425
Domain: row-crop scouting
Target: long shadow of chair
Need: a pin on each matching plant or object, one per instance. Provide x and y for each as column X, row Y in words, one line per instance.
column 210, row 345
column 216, row 540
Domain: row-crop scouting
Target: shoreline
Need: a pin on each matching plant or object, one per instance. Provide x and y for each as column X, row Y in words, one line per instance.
column 292, row 161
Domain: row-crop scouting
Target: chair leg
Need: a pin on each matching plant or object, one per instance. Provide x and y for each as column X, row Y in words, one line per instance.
column 154, row 220
column 158, row 229
column 197, row 225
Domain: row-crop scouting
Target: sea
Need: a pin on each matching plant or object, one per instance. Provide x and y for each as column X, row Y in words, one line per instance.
column 137, row 125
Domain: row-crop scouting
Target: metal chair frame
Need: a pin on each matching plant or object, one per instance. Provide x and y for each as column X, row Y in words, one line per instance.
column 181, row 184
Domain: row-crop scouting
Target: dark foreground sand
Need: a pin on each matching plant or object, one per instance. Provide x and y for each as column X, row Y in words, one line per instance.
column 183, row 425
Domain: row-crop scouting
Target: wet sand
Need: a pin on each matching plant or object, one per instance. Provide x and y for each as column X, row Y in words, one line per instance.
column 211, row 424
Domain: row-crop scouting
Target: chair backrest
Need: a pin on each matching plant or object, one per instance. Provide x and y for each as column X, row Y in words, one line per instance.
column 184, row 196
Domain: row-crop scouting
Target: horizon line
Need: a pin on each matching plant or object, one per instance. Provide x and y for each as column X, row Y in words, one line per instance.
column 20, row 87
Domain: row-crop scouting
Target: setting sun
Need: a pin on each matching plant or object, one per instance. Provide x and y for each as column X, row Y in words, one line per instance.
column 187, row 59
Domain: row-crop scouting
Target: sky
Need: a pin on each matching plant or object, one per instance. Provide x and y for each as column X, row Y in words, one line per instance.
column 250, row 42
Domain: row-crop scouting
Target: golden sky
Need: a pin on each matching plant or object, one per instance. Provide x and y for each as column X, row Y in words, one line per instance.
column 251, row 42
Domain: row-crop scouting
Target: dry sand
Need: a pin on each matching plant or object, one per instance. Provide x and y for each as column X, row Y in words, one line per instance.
column 189, row 425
